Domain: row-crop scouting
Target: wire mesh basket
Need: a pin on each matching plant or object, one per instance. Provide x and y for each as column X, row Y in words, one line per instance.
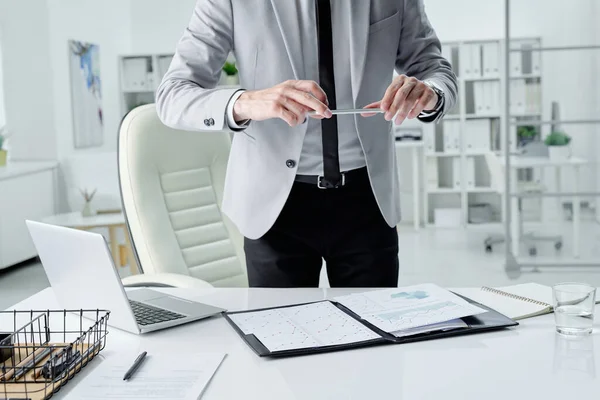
column 41, row 350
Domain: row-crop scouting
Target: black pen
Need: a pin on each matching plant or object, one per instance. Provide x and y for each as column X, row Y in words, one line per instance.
column 136, row 364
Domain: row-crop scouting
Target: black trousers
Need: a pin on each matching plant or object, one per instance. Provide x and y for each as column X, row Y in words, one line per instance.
column 343, row 226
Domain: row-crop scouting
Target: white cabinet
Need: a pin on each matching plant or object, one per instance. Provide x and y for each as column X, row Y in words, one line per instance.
column 26, row 192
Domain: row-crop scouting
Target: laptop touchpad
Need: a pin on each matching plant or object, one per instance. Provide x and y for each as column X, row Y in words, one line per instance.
column 180, row 306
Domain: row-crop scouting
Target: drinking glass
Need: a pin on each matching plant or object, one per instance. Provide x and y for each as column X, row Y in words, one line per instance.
column 574, row 308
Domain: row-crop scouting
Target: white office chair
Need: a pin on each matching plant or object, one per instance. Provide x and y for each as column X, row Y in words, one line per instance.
column 172, row 185
column 497, row 177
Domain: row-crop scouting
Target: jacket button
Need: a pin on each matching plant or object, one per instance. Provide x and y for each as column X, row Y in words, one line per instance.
column 211, row 122
column 290, row 163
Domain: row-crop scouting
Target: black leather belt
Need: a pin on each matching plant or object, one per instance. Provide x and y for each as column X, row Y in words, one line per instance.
column 347, row 178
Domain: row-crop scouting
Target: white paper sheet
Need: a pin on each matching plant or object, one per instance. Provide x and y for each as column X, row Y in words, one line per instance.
column 400, row 309
column 161, row 376
column 442, row 326
column 312, row 325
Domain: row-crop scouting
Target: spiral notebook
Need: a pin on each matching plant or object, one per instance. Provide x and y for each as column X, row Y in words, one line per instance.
column 516, row 302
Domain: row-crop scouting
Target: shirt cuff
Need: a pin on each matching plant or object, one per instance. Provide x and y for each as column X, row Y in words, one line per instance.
column 233, row 125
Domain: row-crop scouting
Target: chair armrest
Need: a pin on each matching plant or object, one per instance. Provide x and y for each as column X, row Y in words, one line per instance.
column 165, row 280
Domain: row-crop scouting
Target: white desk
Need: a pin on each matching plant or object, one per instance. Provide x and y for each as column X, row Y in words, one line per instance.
column 418, row 159
column 541, row 163
column 527, row 362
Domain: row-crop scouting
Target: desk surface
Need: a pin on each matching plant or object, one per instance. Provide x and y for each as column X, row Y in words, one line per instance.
column 76, row 220
column 18, row 168
column 528, row 362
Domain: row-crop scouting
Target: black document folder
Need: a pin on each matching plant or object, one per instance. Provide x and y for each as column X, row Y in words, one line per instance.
column 488, row 321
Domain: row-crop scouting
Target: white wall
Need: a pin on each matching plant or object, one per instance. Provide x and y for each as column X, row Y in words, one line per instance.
column 28, row 80
column 107, row 24
column 157, row 25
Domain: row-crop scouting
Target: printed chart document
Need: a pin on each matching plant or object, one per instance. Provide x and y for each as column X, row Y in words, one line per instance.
column 400, row 309
column 305, row 326
column 162, row 376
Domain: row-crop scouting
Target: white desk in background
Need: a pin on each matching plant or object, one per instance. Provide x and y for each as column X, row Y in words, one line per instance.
column 541, row 163
column 527, row 362
column 417, row 157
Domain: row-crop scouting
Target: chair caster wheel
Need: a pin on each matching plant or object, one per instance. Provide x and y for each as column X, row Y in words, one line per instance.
column 558, row 245
column 533, row 252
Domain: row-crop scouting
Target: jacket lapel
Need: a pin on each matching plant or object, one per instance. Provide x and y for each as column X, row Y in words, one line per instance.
column 287, row 15
column 359, row 38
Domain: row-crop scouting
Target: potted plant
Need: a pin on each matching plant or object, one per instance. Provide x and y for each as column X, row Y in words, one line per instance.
column 558, row 146
column 230, row 72
column 526, row 134
column 3, row 152
column 87, row 207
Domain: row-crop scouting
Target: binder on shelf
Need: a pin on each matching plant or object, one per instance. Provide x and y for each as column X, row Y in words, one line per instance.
column 495, row 98
column 488, row 95
column 475, row 60
column 516, row 60
column 429, row 140
column 431, row 172
column 135, row 74
column 479, row 97
column 456, row 173
column 466, row 62
column 477, row 135
column 451, row 136
column 491, row 60
column 470, row 173
column 533, row 98
column 517, row 96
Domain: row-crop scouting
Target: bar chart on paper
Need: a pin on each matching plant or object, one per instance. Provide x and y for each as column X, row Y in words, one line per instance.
column 400, row 309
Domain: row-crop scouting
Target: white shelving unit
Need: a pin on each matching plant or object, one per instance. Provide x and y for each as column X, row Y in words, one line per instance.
column 456, row 174
column 140, row 75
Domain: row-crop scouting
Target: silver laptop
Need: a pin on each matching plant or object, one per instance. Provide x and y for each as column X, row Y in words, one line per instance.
column 81, row 271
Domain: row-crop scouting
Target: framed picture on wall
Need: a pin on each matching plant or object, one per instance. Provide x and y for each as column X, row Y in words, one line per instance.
column 86, row 94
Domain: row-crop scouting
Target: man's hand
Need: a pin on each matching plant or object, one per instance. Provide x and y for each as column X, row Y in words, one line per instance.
column 405, row 98
column 291, row 101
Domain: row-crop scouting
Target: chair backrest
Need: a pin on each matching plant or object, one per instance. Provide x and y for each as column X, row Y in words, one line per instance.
column 172, row 187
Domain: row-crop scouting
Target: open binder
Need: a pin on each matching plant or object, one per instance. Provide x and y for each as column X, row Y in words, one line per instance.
column 487, row 321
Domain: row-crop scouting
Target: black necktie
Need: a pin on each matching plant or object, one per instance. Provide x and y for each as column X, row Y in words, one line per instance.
column 331, row 160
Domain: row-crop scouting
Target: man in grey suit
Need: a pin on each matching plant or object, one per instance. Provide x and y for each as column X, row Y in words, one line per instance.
column 302, row 189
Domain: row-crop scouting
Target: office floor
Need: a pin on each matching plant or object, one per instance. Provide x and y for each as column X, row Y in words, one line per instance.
column 450, row 258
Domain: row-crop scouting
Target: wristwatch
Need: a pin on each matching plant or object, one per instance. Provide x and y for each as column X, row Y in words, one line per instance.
column 440, row 94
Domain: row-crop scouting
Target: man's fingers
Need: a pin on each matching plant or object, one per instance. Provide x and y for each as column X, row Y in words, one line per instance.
column 401, row 96
column 409, row 103
column 309, row 101
column 391, row 91
column 313, row 88
column 421, row 104
column 377, row 104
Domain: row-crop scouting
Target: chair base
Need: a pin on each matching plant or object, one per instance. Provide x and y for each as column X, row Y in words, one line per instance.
column 529, row 239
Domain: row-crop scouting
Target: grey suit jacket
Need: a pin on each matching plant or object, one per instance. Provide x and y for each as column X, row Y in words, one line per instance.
column 264, row 36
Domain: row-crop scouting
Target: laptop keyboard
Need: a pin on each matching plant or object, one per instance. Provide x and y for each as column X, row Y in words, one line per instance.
column 148, row 315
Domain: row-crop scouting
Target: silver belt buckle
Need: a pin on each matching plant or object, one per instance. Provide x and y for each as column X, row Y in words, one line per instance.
column 320, row 182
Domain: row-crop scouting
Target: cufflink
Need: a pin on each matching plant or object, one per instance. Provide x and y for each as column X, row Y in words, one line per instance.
column 206, row 122
column 211, row 122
